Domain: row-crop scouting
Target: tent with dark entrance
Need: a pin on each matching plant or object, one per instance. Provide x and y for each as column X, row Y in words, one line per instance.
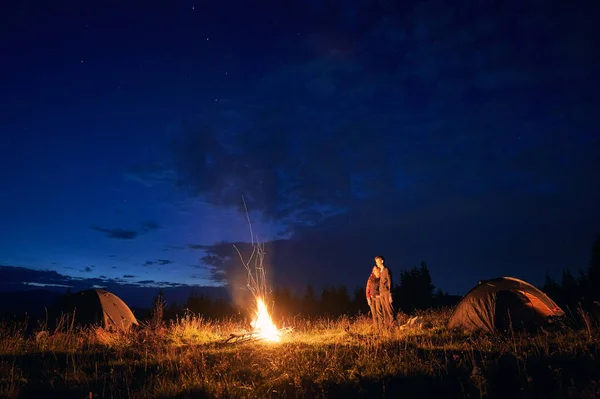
column 501, row 304
column 97, row 307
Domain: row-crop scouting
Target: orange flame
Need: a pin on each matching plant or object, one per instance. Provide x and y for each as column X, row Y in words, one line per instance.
column 263, row 325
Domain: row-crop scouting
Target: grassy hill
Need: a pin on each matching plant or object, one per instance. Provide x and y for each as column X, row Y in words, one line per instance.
column 192, row 357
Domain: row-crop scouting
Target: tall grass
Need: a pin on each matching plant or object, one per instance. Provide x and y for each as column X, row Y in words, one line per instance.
column 188, row 357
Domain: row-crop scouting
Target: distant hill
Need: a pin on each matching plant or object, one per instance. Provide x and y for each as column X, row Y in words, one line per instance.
column 31, row 302
column 21, row 279
column 34, row 302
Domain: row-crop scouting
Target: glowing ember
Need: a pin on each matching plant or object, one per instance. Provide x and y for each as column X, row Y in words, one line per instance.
column 263, row 325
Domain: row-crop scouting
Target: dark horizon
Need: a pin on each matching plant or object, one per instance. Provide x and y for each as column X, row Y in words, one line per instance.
column 461, row 135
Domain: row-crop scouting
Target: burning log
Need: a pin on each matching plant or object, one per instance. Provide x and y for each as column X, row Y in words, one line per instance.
column 252, row 336
column 263, row 327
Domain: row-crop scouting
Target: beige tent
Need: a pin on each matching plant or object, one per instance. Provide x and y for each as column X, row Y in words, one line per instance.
column 98, row 307
column 501, row 304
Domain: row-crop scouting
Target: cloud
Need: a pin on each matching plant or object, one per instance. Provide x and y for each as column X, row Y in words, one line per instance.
column 138, row 293
column 198, row 246
column 327, row 175
column 151, row 174
column 474, row 224
column 417, row 102
column 129, row 276
column 149, row 226
column 461, row 240
column 127, row 234
column 117, row 233
column 13, row 277
column 173, row 248
column 428, row 137
column 161, row 262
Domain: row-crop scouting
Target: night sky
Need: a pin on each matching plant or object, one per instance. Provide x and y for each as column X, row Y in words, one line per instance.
column 462, row 135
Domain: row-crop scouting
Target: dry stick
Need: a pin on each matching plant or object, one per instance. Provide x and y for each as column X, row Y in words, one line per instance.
column 257, row 281
column 257, row 278
column 252, row 336
column 248, row 219
column 247, row 264
column 259, row 250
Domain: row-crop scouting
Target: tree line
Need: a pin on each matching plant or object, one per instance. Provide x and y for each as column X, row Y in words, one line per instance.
column 580, row 290
column 413, row 290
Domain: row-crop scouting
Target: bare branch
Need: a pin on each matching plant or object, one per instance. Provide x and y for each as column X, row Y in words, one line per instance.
column 257, row 281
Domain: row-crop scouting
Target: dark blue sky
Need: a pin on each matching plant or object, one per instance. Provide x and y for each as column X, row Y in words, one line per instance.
column 465, row 136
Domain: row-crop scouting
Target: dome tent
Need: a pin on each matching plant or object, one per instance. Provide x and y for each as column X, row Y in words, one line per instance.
column 98, row 307
column 503, row 303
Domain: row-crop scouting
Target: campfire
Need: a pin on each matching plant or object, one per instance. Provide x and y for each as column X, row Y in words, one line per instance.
column 263, row 327
column 262, row 324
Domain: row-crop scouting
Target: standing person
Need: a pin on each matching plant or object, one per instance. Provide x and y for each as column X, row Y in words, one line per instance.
column 385, row 291
column 372, row 292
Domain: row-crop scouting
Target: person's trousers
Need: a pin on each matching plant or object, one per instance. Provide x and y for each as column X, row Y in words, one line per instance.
column 376, row 313
column 386, row 311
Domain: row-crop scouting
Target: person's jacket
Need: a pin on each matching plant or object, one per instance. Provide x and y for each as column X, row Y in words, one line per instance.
column 372, row 289
column 385, row 283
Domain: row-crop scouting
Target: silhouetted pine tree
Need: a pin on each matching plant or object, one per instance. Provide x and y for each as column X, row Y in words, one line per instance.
column 552, row 288
column 172, row 311
column 426, row 286
column 220, row 308
column 359, row 302
column 593, row 272
column 309, row 302
column 200, row 304
column 158, row 310
column 415, row 290
column 334, row 301
column 343, row 303
column 326, row 302
column 440, row 298
column 285, row 303
column 570, row 294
